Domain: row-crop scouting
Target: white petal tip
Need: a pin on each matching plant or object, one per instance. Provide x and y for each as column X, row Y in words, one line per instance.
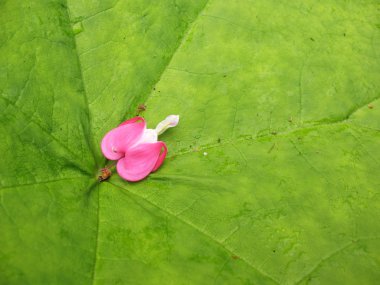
column 169, row 122
column 173, row 120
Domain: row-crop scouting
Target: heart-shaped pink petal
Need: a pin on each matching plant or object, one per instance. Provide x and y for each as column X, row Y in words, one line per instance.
column 161, row 158
column 131, row 121
column 117, row 141
column 141, row 160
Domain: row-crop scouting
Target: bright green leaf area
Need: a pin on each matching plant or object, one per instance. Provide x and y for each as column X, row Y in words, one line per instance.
column 272, row 175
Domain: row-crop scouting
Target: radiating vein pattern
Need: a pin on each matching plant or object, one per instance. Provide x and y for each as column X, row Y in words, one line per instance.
column 271, row 176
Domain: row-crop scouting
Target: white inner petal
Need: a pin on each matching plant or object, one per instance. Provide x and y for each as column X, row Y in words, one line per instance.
column 149, row 136
column 169, row 122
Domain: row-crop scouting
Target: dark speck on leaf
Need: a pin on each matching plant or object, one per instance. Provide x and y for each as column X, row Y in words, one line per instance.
column 140, row 108
column 235, row 257
column 272, row 147
column 370, row 106
column 274, row 133
column 224, row 75
column 344, row 34
column 219, row 140
column 274, row 251
column 312, row 39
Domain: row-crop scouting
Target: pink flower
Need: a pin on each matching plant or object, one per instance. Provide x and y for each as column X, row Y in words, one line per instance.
column 136, row 148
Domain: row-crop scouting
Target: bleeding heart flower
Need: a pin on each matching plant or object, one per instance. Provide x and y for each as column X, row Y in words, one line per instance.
column 136, row 148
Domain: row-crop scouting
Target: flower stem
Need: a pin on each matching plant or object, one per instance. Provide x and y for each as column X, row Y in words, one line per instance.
column 105, row 173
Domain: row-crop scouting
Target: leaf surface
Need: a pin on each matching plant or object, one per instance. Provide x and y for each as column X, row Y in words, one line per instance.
column 271, row 176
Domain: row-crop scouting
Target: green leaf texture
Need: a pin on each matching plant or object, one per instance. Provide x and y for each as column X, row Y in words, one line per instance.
column 272, row 176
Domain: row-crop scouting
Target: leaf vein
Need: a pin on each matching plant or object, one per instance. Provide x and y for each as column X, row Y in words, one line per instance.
column 180, row 43
column 39, row 182
column 48, row 134
column 87, row 130
column 93, row 275
column 209, row 236
column 254, row 138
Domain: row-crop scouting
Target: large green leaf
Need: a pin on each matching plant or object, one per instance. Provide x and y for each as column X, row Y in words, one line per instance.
column 272, row 174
